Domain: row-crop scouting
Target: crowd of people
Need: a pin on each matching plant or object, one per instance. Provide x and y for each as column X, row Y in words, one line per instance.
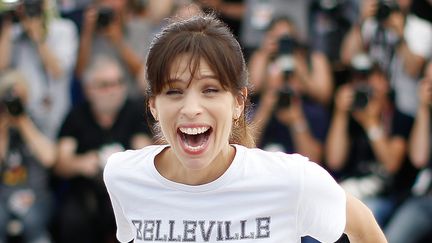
column 346, row 83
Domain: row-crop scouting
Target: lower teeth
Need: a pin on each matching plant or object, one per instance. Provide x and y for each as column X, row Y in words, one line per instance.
column 194, row 148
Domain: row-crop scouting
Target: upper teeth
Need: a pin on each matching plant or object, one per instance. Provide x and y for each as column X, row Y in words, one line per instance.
column 194, row 131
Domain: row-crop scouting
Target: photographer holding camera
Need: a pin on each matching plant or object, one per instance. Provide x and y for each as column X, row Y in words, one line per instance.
column 366, row 146
column 412, row 222
column 109, row 29
column 25, row 157
column 43, row 47
column 289, row 109
column 395, row 38
column 106, row 123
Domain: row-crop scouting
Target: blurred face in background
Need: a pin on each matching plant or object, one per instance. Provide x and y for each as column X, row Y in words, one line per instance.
column 106, row 90
column 404, row 5
column 379, row 84
column 117, row 5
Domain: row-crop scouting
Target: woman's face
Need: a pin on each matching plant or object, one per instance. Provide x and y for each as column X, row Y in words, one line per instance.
column 196, row 114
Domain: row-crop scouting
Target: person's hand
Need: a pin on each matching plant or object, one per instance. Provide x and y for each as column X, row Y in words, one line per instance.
column 396, row 22
column 4, row 118
column 291, row 114
column 301, row 69
column 90, row 18
column 113, row 32
column 33, row 26
column 274, row 77
column 106, row 151
column 6, row 28
column 425, row 92
column 344, row 98
column 368, row 9
column 91, row 165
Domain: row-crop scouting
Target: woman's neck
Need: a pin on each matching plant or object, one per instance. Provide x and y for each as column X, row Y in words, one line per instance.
column 172, row 169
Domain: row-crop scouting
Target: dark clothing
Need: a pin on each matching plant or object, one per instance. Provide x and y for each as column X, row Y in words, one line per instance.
column 85, row 212
column 362, row 160
column 81, row 125
column 277, row 133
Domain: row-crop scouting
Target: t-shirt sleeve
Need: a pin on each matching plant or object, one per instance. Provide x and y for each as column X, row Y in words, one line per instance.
column 418, row 34
column 322, row 205
column 124, row 231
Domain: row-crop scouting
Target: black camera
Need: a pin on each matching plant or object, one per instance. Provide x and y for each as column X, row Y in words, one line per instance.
column 362, row 94
column 286, row 95
column 105, row 17
column 285, row 57
column 12, row 103
column 7, row 12
column 385, row 8
column 33, row 8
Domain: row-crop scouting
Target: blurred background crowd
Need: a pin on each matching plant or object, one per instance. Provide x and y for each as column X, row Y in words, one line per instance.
column 347, row 83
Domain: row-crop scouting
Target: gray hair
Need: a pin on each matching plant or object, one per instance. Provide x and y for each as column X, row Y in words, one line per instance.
column 101, row 63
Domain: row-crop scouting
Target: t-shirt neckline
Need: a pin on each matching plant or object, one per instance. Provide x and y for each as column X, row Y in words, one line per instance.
column 227, row 176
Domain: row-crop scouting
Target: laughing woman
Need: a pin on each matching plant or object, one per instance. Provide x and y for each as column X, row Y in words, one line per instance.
column 205, row 182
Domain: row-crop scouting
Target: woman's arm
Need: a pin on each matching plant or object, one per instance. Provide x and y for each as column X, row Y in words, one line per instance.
column 361, row 225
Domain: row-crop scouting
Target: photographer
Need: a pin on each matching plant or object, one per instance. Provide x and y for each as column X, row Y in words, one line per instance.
column 412, row 222
column 395, row 38
column 25, row 157
column 366, row 147
column 43, row 47
column 110, row 28
column 291, row 118
column 107, row 122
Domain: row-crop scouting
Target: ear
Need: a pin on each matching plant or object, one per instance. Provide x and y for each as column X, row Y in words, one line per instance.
column 240, row 100
column 152, row 107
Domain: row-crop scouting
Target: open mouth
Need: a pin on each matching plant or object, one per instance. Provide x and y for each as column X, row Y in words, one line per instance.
column 194, row 140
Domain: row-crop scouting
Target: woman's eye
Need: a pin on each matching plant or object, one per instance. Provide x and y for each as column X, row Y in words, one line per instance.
column 211, row 90
column 173, row 92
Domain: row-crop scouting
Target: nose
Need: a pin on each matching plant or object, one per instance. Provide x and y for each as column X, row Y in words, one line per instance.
column 191, row 106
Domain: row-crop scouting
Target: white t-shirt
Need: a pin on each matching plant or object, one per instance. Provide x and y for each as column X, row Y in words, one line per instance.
column 262, row 197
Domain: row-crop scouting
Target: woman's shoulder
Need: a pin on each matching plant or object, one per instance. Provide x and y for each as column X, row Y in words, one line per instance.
column 274, row 160
column 132, row 159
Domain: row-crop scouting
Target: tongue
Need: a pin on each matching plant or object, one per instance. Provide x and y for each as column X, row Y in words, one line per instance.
column 195, row 140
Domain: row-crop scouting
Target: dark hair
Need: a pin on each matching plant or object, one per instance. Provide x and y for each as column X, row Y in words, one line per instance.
column 203, row 37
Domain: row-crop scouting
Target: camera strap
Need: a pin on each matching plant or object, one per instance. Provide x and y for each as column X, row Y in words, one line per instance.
column 381, row 50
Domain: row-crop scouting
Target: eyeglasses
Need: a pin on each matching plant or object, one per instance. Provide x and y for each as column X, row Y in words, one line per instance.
column 104, row 84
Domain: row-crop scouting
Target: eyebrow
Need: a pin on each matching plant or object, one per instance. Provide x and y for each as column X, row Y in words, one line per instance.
column 174, row 80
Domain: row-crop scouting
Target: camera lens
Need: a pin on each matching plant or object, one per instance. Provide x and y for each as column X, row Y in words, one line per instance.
column 13, row 103
column 105, row 16
column 33, row 8
column 285, row 96
column 362, row 94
